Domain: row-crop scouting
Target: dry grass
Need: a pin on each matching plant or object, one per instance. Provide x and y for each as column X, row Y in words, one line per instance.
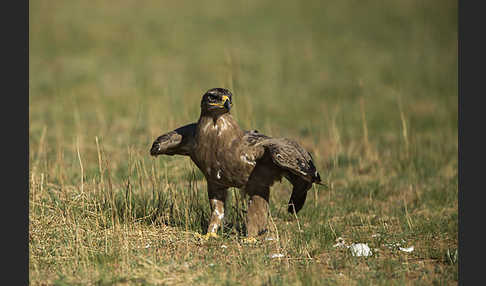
column 369, row 88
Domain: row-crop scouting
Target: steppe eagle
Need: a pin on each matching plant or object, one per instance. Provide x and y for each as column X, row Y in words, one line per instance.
column 231, row 157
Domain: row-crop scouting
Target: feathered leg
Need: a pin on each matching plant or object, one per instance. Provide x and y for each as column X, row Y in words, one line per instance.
column 257, row 216
column 258, row 189
column 217, row 197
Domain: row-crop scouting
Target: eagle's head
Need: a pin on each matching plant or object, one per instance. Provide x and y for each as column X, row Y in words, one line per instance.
column 216, row 101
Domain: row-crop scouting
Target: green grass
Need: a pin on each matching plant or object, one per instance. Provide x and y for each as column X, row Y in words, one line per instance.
column 370, row 88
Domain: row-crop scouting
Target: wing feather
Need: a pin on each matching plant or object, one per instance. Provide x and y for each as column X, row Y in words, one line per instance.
column 285, row 153
column 176, row 142
column 289, row 155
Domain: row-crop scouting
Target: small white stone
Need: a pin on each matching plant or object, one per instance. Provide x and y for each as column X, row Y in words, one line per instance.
column 276, row 255
column 406, row 249
column 360, row 249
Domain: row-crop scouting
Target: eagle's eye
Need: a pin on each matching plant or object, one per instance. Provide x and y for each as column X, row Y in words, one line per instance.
column 212, row 96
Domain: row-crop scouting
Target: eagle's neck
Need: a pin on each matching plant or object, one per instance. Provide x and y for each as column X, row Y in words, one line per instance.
column 223, row 126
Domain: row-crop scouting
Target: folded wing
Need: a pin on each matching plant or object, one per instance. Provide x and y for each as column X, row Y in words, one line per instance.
column 290, row 156
column 287, row 155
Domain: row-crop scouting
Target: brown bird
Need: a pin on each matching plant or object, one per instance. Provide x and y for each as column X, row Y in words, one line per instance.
column 231, row 157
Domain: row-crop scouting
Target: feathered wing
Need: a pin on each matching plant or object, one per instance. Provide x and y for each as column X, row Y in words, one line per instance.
column 177, row 142
column 289, row 156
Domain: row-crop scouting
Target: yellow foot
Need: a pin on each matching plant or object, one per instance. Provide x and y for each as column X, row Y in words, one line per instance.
column 250, row 240
column 210, row 235
column 207, row 236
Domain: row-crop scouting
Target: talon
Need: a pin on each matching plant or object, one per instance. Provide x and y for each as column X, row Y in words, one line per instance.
column 250, row 240
column 207, row 236
column 211, row 235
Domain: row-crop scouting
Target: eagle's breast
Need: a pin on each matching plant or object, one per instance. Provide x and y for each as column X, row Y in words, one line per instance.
column 218, row 152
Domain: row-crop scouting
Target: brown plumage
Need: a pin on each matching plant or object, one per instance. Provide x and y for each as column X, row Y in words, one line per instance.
column 231, row 157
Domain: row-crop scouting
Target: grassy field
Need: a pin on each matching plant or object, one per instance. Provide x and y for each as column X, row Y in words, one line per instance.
column 368, row 87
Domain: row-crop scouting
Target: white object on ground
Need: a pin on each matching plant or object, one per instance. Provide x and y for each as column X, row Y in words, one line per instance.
column 407, row 249
column 276, row 255
column 360, row 249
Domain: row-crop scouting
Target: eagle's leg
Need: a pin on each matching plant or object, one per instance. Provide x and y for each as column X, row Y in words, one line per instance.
column 258, row 189
column 257, row 215
column 217, row 197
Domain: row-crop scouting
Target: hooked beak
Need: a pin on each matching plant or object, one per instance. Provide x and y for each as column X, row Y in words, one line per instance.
column 227, row 103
